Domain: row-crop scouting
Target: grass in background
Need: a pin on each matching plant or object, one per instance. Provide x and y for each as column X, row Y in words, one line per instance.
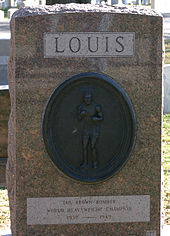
column 166, row 148
column 166, row 166
column 167, row 51
column 4, row 210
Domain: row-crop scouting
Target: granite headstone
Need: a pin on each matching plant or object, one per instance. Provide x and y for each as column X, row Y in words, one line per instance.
column 85, row 126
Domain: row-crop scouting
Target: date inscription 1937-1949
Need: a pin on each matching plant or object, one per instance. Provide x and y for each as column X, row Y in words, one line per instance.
column 94, row 44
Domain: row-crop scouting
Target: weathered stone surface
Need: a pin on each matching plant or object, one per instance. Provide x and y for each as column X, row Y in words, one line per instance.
column 33, row 78
column 80, row 8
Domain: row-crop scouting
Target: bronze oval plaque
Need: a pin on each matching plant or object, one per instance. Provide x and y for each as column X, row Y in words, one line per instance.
column 89, row 127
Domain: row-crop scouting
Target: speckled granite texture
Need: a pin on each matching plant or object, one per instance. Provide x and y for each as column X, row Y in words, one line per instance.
column 32, row 78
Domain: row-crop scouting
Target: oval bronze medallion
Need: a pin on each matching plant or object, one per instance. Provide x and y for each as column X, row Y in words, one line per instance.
column 89, row 127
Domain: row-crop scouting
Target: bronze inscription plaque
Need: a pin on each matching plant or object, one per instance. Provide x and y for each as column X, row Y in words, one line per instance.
column 89, row 127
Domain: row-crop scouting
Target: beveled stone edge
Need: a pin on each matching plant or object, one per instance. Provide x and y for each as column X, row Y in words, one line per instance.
column 83, row 8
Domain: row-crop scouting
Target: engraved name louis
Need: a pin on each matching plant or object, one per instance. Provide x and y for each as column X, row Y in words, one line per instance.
column 89, row 44
column 93, row 44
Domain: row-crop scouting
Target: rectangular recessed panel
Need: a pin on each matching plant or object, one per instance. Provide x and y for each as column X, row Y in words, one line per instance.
column 89, row 44
column 91, row 209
